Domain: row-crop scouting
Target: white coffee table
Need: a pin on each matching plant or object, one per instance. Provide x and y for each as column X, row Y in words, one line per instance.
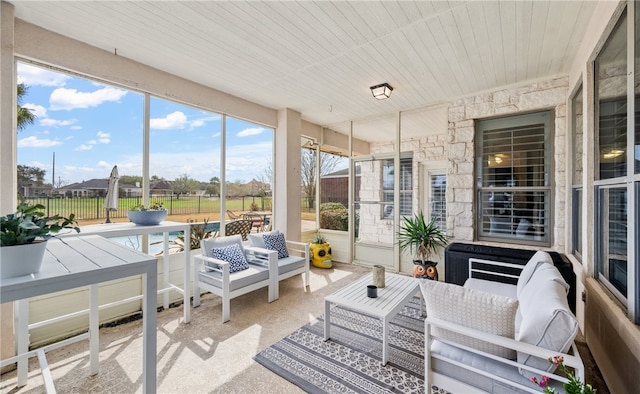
column 398, row 291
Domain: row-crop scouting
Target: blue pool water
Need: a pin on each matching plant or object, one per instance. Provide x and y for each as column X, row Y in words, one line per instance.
column 155, row 240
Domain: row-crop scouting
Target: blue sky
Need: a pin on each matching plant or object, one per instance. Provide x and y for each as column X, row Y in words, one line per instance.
column 92, row 126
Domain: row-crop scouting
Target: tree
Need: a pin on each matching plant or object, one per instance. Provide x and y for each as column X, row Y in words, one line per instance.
column 308, row 174
column 130, row 179
column 184, row 185
column 25, row 116
column 30, row 175
column 213, row 188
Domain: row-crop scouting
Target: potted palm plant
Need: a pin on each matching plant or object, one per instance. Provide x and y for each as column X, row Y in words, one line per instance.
column 23, row 237
column 425, row 238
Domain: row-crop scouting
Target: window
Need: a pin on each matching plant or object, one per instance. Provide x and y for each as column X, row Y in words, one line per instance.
column 576, row 177
column 513, row 178
column 612, row 164
column 611, row 238
column 437, row 199
column 406, row 186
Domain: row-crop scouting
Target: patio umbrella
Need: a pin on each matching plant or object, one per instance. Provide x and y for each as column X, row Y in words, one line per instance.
column 111, row 201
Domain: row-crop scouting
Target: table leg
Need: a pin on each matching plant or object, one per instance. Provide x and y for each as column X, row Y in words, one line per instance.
column 165, row 270
column 21, row 320
column 149, row 327
column 187, row 275
column 385, row 340
column 94, row 324
column 327, row 321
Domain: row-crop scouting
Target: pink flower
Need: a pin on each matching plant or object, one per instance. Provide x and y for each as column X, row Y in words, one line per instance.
column 544, row 382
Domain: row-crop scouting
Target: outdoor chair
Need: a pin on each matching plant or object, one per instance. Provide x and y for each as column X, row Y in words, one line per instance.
column 229, row 269
column 293, row 256
column 232, row 215
column 240, row 226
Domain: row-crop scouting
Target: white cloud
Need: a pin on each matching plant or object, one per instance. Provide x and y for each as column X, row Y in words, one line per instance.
column 37, row 110
column 36, row 76
column 251, row 131
column 35, row 142
column 103, row 164
column 197, row 123
column 68, row 99
column 175, row 120
column 103, row 138
column 83, row 147
column 48, row 122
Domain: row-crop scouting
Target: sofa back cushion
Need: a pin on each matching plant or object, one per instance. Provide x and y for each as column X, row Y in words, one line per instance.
column 258, row 239
column 471, row 308
column 539, row 258
column 219, row 242
column 546, row 319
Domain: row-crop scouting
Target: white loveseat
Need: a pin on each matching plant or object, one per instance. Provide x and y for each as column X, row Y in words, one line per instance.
column 494, row 337
column 227, row 276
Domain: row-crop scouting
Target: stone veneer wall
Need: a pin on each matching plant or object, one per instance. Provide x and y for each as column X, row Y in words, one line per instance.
column 429, row 148
column 547, row 95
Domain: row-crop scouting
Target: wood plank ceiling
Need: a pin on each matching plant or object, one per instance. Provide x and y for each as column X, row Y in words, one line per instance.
column 321, row 57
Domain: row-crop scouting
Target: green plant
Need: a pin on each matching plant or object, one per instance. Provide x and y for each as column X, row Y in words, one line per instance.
column 573, row 386
column 425, row 238
column 155, row 206
column 29, row 224
column 198, row 233
column 318, row 239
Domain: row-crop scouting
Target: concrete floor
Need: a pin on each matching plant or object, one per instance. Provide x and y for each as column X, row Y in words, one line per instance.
column 206, row 356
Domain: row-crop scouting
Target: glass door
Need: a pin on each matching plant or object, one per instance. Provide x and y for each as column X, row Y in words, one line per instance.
column 374, row 210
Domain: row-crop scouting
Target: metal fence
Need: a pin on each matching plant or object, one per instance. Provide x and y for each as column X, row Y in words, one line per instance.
column 91, row 208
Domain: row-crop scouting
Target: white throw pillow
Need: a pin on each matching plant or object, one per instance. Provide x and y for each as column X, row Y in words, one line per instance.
column 546, row 319
column 539, row 258
column 471, row 308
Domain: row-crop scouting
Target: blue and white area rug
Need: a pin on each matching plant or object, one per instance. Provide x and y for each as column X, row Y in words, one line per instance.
column 350, row 362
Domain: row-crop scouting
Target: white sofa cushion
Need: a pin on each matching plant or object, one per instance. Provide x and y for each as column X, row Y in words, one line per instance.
column 219, row 242
column 539, row 258
column 472, row 308
column 258, row 239
column 546, row 319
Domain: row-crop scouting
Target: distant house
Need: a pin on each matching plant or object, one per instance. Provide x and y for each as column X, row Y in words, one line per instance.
column 98, row 188
column 257, row 188
column 334, row 187
column 161, row 188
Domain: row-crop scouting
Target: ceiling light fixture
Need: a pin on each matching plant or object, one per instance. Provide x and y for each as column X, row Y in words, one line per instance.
column 382, row 91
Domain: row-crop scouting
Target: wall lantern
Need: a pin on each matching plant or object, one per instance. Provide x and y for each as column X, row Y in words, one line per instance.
column 382, row 91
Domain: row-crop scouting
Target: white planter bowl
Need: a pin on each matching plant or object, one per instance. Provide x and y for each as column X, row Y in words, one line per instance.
column 20, row 260
column 147, row 218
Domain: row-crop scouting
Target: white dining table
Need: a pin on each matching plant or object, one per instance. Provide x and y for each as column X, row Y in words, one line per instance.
column 77, row 261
